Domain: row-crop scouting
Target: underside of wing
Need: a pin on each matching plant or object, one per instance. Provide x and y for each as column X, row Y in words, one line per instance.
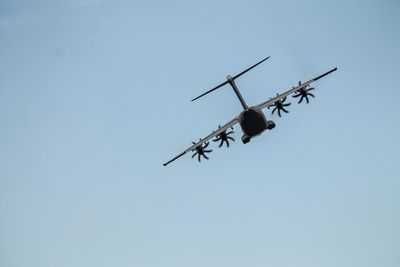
column 301, row 91
column 198, row 146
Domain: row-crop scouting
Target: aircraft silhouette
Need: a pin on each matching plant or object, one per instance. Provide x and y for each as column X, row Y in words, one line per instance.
column 251, row 120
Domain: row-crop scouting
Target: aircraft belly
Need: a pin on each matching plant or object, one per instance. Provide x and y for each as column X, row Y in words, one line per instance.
column 252, row 122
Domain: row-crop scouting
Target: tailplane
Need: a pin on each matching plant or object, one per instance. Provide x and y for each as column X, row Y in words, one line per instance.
column 233, row 78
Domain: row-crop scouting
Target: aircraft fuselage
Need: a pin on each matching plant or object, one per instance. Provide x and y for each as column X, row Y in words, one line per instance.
column 252, row 121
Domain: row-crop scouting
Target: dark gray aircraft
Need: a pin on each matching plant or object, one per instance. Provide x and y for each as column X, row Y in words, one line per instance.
column 252, row 120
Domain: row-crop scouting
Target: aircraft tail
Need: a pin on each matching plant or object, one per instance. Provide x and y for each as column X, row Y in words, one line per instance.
column 233, row 78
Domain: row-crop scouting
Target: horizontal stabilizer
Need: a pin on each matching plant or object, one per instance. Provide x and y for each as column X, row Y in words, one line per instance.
column 234, row 77
column 209, row 91
column 255, row 65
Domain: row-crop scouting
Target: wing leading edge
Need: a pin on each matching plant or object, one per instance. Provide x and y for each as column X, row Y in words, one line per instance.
column 202, row 141
column 271, row 101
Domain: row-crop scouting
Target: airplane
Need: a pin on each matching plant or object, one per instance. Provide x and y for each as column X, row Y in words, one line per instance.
column 252, row 119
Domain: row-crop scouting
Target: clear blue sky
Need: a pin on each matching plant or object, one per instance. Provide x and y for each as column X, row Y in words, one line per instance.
column 95, row 95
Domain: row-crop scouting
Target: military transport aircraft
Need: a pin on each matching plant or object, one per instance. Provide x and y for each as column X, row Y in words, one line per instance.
column 252, row 120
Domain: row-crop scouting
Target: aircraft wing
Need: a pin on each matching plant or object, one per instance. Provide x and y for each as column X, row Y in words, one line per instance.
column 271, row 101
column 204, row 140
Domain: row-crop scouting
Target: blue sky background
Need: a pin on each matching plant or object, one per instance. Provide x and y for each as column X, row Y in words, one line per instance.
column 95, row 95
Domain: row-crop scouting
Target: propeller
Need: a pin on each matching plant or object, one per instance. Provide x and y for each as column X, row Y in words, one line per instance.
column 201, row 151
column 224, row 137
column 304, row 93
column 280, row 106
